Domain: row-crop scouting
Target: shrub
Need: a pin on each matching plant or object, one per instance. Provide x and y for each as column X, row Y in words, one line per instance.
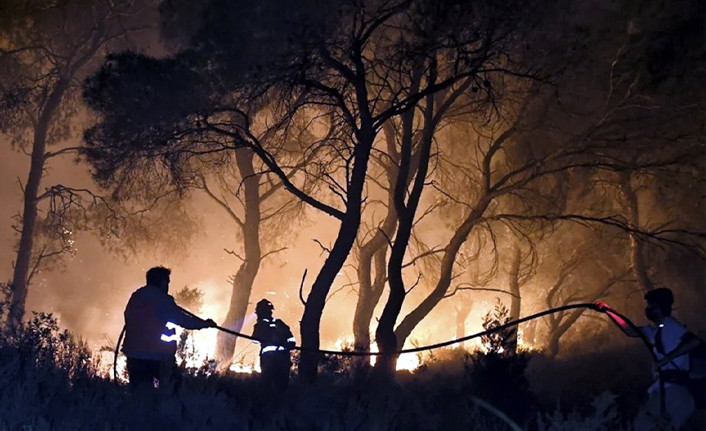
column 497, row 376
column 603, row 418
column 48, row 380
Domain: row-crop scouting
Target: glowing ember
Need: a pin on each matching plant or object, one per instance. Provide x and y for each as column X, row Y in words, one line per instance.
column 241, row 368
column 408, row 361
column 522, row 345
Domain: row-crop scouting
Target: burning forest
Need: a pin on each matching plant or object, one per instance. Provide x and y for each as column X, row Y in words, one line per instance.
column 352, row 215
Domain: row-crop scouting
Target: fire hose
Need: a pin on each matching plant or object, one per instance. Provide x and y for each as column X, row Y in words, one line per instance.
column 587, row 305
column 591, row 306
column 504, row 326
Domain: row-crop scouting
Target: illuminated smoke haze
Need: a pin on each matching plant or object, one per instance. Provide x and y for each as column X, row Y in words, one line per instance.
column 89, row 295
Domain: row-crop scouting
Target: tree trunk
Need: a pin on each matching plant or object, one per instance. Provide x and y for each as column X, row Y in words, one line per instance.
column 311, row 320
column 411, row 320
column 20, row 281
column 368, row 296
column 560, row 329
column 21, row 274
column 515, row 298
column 385, row 334
column 637, row 248
column 245, row 276
column 462, row 313
column 375, row 252
column 553, row 343
column 559, row 325
column 530, row 329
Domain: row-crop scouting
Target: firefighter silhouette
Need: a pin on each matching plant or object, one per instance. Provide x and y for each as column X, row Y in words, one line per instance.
column 151, row 319
column 679, row 377
column 276, row 340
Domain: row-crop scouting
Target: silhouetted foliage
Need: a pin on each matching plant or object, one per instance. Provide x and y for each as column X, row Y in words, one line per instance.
column 497, row 342
column 498, row 374
column 49, row 381
column 371, row 65
column 190, row 298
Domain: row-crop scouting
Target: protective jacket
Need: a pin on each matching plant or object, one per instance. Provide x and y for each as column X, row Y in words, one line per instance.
column 151, row 318
column 274, row 336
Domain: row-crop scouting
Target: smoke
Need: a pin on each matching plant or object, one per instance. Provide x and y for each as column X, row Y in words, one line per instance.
column 89, row 290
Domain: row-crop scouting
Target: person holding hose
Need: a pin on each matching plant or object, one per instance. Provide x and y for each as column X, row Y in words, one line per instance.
column 151, row 318
column 670, row 400
column 276, row 341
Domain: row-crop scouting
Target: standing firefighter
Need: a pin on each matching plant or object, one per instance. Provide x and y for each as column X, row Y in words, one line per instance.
column 678, row 368
column 151, row 318
column 276, row 340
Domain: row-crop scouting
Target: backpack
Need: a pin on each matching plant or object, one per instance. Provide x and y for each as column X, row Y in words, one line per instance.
column 282, row 334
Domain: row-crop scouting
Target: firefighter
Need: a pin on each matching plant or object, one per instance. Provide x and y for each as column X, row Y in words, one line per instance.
column 672, row 344
column 151, row 318
column 276, row 340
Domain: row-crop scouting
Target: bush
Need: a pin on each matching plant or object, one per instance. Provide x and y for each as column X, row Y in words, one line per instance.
column 574, row 382
column 497, row 376
column 48, row 380
column 603, row 418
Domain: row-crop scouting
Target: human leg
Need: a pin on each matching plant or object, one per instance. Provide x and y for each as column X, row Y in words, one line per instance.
column 678, row 406
column 142, row 372
column 170, row 376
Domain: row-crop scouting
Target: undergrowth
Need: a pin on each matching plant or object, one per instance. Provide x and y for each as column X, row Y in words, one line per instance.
column 49, row 380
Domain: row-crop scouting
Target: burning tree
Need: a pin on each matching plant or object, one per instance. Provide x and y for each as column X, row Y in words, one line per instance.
column 214, row 162
column 540, row 146
column 332, row 58
column 399, row 68
column 262, row 215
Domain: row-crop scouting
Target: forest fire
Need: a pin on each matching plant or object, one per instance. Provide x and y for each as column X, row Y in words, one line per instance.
column 200, row 347
column 409, row 172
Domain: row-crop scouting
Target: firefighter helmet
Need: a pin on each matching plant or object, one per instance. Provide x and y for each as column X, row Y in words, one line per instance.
column 264, row 307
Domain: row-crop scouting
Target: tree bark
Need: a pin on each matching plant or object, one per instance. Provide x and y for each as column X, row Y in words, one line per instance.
column 245, row 276
column 385, row 334
column 311, row 319
column 373, row 254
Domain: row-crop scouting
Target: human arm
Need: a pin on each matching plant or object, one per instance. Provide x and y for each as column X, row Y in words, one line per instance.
column 621, row 323
column 257, row 333
column 688, row 343
column 291, row 341
column 171, row 312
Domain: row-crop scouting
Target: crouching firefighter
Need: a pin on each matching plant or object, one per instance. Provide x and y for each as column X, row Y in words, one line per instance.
column 151, row 318
column 276, row 341
column 679, row 364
